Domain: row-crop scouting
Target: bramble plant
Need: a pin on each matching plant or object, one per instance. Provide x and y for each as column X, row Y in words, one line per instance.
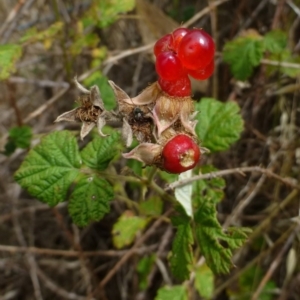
column 165, row 123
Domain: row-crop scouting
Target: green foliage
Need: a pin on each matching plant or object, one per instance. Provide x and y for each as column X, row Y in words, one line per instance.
column 208, row 190
column 216, row 245
column 9, row 55
column 90, row 200
column 98, row 154
column 275, row 41
column 50, row 167
column 18, row 137
column 176, row 292
column 220, row 124
column 181, row 258
column 143, row 268
column 105, row 12
column 248, row 283
column 151, row 207
column 126, row 228
column 243, row 54
column 46, row 36
column 204, row 281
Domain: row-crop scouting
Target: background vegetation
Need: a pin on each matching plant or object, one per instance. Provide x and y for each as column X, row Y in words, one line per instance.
column 44, row 44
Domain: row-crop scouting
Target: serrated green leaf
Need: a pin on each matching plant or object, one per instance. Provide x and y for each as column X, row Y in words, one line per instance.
column 90, row 200
column 125, row 229
column 243, row 54
column 275, row 41
column 144, row 267
column 33, row 35
column 176, row 292
column 9, row 55
column 208, row 190
column 204, row 281
column 181, row 258
column 50, row 167
column 220, row 124
column 152, row 206
column 100, row 151
column 216, row 246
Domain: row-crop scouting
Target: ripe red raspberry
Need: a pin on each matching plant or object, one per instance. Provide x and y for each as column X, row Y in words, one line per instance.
column 196, row 49
column 180, row 154
column 168, row 66
column 180, row 87
column 177, row 36
column 163, row 44
column 202, row 74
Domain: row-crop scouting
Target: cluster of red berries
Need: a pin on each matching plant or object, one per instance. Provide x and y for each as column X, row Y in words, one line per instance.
column 179, row 54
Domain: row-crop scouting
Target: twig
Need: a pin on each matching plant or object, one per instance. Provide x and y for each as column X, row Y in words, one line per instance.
column 203, row 12
column 280, row 63
column 39, row 83
column 52, row 286
column 245, row 202
column 45, row 106
column 273, row 266
column 70, row 253
column 232, row 171
column 278, row 12
column 138, row 243
column 255, row 260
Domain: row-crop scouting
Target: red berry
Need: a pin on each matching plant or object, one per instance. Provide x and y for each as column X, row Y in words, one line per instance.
column 196, row 49
column 177, row 35
column 180, row 154
column 180, row 87
column 203, row 74
column 163, row 44
column 168, row 66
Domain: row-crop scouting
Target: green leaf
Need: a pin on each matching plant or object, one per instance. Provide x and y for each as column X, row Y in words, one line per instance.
column 243, row 54
column 90, row 200
column 181, row 258
column 151, row 207
column 33, row 35
column 204, row 281
column 126, row 228
column 208, row 190
column 216, row 246
column 107, row 93
column 176, row 292
column 144, row 267
column 275, row 41
column 99, row 153
column 220, row 124
column 286, row 56
column 19, row 137
column 106, row 11
column 9, row 55
column 50, row 167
